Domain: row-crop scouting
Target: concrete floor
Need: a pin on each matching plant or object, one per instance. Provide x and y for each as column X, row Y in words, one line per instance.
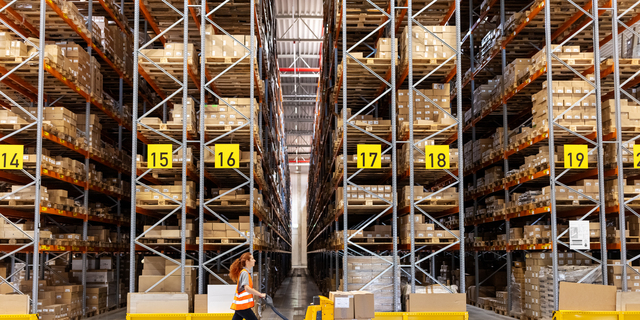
column 293, row 297
column 296, row 293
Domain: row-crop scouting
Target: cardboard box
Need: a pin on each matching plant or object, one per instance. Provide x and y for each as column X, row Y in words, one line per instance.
column 200, row 303
column 364, row 305
column 420, row 302
column 167, row 302
column 587, row 297
column 14, row 304
column 153, row 265
column 628, row 301
column 343, row 307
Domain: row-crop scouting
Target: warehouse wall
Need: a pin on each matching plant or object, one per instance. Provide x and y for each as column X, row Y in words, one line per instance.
column 299, row 184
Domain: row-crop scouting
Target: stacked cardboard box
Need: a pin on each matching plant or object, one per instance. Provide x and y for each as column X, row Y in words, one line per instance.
column 354, row 193
column 383, row 49
column 156, row 268
column 482, row 99
column 429, row 44
column 480, row 147
column 239, row 194
column 565, row 95
column 449, row 195
column 146, row 195
column 517, row 287
column 419, row 158
column 362, row 121
column 9, row 47
column 362, row 270
column 425, row 111
column 495, row 205
column 588, row 187
column 222, row 114
column 171, row 232
column 220, row 230
column 614, row 274
column 515, row 71
column 95, row 80
column 176, row 114
column 423, row 229
column 234, row 46
column 80, row 63
column 62, row 119
column 353, row 305
column 629, row 112
column 568, row 54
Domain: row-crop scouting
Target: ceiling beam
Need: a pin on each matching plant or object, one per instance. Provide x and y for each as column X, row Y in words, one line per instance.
column 299, row 132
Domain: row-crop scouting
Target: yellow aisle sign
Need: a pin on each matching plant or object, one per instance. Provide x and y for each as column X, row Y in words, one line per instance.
column 11, row 157
column 159, row 156
column 436, row 157
column 576, row 156
column 369, row 156
column 227, row 156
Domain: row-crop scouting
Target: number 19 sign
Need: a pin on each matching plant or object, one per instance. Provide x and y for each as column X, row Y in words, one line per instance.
column 576, row 156
column 227, row 156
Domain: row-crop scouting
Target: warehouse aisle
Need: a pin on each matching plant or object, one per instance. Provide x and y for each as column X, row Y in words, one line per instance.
column 294, row 296
column 476, row 313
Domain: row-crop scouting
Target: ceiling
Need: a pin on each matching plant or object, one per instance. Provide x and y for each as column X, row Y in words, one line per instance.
column 299, row 34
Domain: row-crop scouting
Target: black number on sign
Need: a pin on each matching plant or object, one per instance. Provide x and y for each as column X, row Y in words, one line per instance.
column 164, row 161
column 579, row 157
column 638, row 155
column 230, row 161
column 441, row 162
column 362, row 156
column 374, row 155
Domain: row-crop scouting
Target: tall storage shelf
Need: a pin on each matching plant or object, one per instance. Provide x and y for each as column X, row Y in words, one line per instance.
column 219, row 89
column 368, row 227
column 520, row 106
column 84, row 216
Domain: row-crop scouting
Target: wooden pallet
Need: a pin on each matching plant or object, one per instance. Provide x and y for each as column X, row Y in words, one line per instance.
column 629, row 239
column 429, row 240
column 215, row 240
column 371, row 240
column 165, row 241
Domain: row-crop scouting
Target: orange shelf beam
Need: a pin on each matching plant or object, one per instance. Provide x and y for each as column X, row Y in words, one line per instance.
column 452, row 10
column 151, row 21
column 113, row 17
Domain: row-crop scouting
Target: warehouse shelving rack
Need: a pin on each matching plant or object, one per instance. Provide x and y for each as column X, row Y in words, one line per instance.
column 571, row 23
column 21, row 22
column 571, row 30
column 264, row 134
column 344, row 36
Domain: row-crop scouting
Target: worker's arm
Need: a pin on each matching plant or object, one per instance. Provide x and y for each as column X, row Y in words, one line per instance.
column 254, row 292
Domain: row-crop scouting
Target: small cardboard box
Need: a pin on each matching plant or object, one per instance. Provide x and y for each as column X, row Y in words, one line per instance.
column 166, row 302
column 343, row 307
column 200, row 303
column 14, row 304
column 364, row 305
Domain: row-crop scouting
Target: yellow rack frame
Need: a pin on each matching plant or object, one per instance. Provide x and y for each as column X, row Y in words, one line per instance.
column 596, row 315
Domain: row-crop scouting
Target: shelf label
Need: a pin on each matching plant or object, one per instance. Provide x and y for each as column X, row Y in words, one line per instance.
column 227, row 156
column 11, row 157
column 579, row 235
column 636, row 155
column 369, row 156
column 159, row 156
column 576, row 156
column 436, row 157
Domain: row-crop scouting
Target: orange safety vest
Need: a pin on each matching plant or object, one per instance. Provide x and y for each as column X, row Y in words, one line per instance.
column 243, row 300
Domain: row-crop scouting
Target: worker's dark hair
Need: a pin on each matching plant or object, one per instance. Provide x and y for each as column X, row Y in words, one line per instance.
column 236, row 267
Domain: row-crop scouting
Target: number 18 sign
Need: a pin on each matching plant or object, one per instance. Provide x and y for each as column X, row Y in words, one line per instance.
column 436, row 157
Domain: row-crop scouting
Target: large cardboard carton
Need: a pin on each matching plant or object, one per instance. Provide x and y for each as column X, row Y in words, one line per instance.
column 153, row 266
column 166, row 302
column 14, row 304
column 444, row 302
column 343, row 307
column 587, row 297
column 628, row 301
column 364, row 305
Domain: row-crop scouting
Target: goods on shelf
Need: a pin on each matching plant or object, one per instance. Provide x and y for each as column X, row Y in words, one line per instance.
column 236, row 197
column 171, row 55
column 614, row 274
column 383, row 49
column 429, row 44
column 150, row 196
column 221, row 45
column 419, row 158
column 224, row 115
column 571, row 55
column 539, row 279
column 629, row 116
column 174, row 125
column 425, row 112
column 378, row 274
column 582, row 117
column 156, row 268
column 355, row 196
